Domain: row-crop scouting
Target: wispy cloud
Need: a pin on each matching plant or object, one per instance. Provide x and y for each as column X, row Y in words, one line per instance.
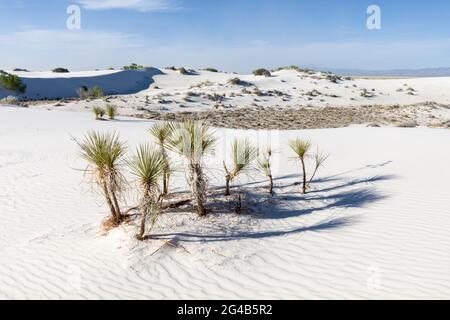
column 139, row 5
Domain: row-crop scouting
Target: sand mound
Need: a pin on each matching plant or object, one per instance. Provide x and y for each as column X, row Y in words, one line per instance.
column 48, row 85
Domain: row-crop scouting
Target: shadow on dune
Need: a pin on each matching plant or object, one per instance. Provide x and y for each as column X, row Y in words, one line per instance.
column 290, row 205
column 193, row 237
column 121, row 82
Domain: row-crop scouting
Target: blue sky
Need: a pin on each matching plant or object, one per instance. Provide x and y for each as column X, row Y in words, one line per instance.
column 233, row 35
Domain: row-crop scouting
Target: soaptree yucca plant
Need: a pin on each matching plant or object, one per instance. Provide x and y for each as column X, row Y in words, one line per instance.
column 111, row 111
column 242, row 155
column 193, row 140
column 161, row 132
column 99, row 112
column 104, row 152
column 265, row 166
column 302, row 149
column 148, row 165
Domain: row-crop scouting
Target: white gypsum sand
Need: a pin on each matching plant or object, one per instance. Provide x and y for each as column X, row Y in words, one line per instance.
column 375, row 224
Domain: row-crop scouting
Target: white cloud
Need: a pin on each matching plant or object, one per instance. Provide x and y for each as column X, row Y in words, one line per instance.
column 139, row 5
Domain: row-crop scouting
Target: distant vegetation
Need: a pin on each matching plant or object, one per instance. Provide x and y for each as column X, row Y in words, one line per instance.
column 133, row 66
column 20, row 70
column 60, row 70
column 12, row 82
column 95, row 92
column 262, row 72
column 296, row 68
column 211, row 70
column 235, row 81
column 99, row 112
column 111, row 111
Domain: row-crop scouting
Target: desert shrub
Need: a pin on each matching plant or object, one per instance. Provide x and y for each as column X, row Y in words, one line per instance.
column 193, row 140
column 265, row 166
column 104, row 153
column 111, row 111
column 133, row 66
column 99, row 112
column 60, row 70
column 162, row 132
column 262, row 72
column 235, row 81
column 12, row 82
column 242, row 155
column 296, row 68
column 96, row 92
column 183, row 70
column 302, row 149
column 211, row 70
column 147, row 164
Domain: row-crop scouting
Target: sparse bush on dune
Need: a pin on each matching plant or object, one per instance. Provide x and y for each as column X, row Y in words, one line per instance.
column 111, row 111
column 193, row 140
column 162, row 132
column 262, row 72
column 265, row 166
column 133, row 66
column 104, row 153
column 235, row 81
column 12, row 82
column 242, row 155
column 96, row 92
column 60, row 70
column 211, row 70
column 85, row 92
column 183, row 71
column 296, row 68
column 302, row 149
column 148, row 165
column 99, row 112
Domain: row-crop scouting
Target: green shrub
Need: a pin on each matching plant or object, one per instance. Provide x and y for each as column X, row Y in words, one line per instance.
column 133, row 66
column 262, row 72
column 211, row 70
column 12, row 82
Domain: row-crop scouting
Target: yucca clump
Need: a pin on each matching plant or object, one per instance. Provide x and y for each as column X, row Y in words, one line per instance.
column 242, row 155
column 265, row 166
column 302, row 149
column 193, row 140
column 99, row 112
column 161, row 132
column 96, row 92
column 104, row 153
column 111, row 111
column 148, row 164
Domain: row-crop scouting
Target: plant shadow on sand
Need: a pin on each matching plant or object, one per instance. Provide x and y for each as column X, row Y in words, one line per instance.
column 257, row 206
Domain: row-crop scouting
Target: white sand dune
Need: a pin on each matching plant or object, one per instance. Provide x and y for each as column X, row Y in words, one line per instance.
column 50, row 85
column 375, row 225
column 426, row 100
